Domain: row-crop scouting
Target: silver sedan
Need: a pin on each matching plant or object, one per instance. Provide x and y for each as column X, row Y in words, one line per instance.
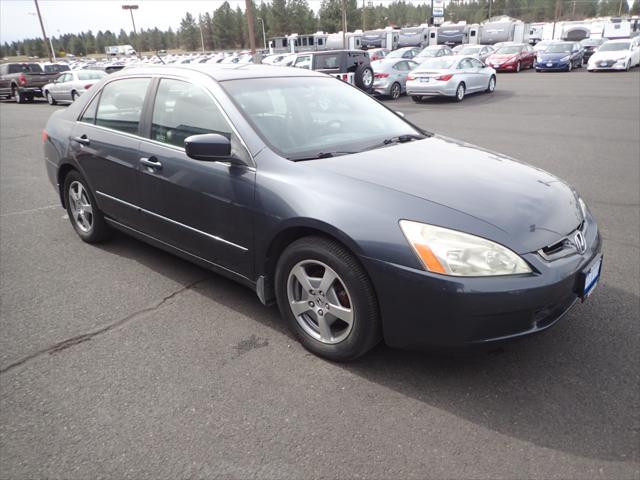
column 481, row 52
column 70, row 85
column 452, row 77
column 390, row 76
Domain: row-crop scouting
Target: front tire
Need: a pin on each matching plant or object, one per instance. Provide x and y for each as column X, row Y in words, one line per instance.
column 518, row 67
column 492, row 85
column 416, row 98
column 570, row 67
column 327, row 299
column 50, row 99
column 74, row 96
column 86, row 218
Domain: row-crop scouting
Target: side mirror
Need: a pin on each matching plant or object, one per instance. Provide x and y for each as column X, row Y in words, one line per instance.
column 210, row 147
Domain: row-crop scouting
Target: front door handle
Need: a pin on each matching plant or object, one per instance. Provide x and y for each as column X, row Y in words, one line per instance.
column 82, row 140
column 151, row 162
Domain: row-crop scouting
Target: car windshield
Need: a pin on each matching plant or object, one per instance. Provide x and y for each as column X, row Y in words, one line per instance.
column 312, row 117
column 559, row 48
column 56, row 68
column 589, row 42
column 396, row 54
column 614, row 47
column 468, row 50
column 427, row 52
column 509, row 50
column 439, row 63
column 95, row 75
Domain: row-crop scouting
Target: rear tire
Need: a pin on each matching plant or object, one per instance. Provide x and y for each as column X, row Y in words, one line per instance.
column 416, row 98
column 82, row 208
column 396, row 91
column 460, row 92
column 18, row 96
column 303, row 270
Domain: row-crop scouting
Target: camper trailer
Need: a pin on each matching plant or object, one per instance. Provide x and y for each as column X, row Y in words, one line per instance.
column 453, row 34
column 307, row 43
column 278, row 45
column 414, row 37
column 387, row 38
column 617, row 28
column 504, row 29
column 575, row 31
column 353, row 41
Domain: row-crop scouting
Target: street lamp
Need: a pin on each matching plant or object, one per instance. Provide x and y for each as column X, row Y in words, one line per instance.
column 201, row 36
column 264, row 35
column 53, row 52
column 131, row 8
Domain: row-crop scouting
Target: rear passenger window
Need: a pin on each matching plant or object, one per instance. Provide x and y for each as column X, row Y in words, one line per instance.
column 89, row 115
column 121, row 103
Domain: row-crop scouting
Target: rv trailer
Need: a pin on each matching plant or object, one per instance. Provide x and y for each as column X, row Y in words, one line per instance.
column 414, row 37
column 386, row 38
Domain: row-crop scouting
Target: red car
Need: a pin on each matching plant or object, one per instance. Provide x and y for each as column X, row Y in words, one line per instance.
column 377, row 53
column 512, row 58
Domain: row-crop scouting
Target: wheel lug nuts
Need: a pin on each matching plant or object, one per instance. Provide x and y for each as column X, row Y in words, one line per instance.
column 320, row 312
column 311, row 304
column 320, row 292
column 312, row 292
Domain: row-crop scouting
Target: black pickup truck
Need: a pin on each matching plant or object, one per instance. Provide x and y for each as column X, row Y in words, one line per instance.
column 23, row 81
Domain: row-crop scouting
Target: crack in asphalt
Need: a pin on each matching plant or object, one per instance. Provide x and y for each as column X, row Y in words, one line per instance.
column 70, row 342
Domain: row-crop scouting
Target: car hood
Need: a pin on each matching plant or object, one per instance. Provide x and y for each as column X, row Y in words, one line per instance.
column 553, row 56
column 530, row 206
column 612, row 55
column 502, row 58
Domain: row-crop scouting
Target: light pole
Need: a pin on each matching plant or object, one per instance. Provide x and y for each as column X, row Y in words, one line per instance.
column 131, row 8
column 201, row 36
column 264, row 35
column 47, row 42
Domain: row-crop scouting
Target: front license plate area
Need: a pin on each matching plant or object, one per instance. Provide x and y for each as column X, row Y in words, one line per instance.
column 549, row 64
column 588, row 278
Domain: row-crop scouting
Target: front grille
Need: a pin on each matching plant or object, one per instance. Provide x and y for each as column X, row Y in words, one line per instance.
column 563, row 248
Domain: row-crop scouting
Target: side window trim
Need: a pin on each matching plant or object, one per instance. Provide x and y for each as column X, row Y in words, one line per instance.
column 147, row 114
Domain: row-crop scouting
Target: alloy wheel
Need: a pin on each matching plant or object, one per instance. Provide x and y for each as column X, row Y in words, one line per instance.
column 492, row 84
column 395, row 91
column 320, row 301
column 367, row 78
column 80, row 206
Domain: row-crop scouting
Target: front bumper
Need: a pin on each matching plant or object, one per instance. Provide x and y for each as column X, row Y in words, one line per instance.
column 551, row 65
column 505, row 67
column 421, row 310
column 592, row 66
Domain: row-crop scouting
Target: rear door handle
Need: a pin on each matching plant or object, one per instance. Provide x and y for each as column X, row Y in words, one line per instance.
column 151, row 162
column 83, row 140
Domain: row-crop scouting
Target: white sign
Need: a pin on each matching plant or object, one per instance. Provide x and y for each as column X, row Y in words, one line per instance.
column 438, row 12
column 438, row 20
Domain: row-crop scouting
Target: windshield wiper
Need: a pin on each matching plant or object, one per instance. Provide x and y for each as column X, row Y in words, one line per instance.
column 402, row 139
column 319, row 155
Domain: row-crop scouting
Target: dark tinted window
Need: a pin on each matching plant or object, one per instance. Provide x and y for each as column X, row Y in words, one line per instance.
column 121, row 103
column 56, row 68
column 181, row 110
column 327, row 62
column 25, row 67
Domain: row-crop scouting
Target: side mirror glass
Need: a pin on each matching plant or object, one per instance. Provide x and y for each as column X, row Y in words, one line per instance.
column 210, row 147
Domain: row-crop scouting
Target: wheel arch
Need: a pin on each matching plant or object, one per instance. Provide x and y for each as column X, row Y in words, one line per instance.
column 294, row 230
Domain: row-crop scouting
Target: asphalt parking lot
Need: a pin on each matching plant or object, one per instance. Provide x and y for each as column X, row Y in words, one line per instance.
column 122, row 361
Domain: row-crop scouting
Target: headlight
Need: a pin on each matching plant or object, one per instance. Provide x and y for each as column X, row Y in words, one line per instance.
column 450, row 252
column 583, row 207
column 565, row 59
column 621, row 60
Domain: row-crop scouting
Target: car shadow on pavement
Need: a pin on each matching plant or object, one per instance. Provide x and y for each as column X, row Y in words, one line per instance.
column 572, row 389
column 479, row 98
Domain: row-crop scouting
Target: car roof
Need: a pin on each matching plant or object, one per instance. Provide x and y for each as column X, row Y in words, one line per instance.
column 221, row 72
column 619, row 40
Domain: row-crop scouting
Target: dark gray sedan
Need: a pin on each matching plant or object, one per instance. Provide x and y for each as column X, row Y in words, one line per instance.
column 360, row 225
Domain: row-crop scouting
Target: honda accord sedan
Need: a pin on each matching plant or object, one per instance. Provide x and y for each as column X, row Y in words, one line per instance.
column 360, row 225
